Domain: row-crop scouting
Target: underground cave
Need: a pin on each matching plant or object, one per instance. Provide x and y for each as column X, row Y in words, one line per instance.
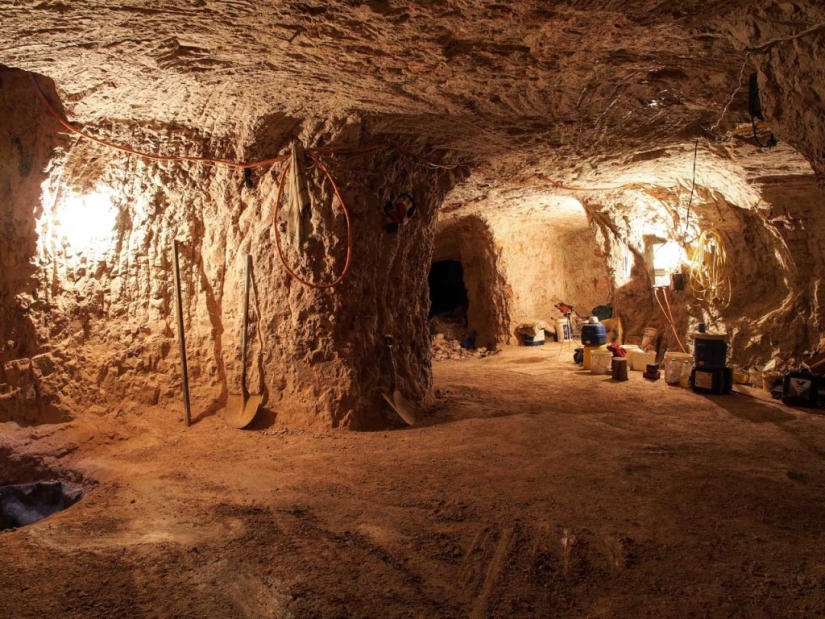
column 370, row 308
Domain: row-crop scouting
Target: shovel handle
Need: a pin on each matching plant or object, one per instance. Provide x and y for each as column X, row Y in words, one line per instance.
column 182, row 339
column 388, row 341
column 245, row 321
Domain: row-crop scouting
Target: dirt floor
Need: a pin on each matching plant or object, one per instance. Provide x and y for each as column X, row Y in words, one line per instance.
column 532, row 489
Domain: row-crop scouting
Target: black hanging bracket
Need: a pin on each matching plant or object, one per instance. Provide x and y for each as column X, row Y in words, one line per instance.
column 755, row 109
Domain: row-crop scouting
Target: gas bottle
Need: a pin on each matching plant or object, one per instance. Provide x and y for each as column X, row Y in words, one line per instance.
column 594, row 333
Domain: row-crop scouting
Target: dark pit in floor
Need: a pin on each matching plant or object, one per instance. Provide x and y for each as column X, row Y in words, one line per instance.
column 35, row 487
column 25, row 504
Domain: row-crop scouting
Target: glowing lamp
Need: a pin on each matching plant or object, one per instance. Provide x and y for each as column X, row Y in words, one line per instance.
column 667, row 258
column 86, row 222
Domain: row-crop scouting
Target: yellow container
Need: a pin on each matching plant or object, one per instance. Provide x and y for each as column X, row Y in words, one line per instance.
column 587, row 351
column 740, row 377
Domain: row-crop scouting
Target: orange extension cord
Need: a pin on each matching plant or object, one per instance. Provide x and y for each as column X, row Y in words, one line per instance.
column 668, row 314
column 313, row 153
column 295, row 276
column 127, row 149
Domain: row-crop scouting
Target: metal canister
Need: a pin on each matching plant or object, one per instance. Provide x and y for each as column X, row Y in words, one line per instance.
column 619, row 368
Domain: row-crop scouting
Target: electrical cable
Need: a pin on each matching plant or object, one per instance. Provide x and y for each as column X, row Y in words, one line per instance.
column 733, row 96
column 709, row 271
column 692, row 189
column 772, row 141
column 314, row 154
column 559, row 185
column 127, row 149
column 672, row 320
column 668, row 314
column 426, row 162
column 292, row 273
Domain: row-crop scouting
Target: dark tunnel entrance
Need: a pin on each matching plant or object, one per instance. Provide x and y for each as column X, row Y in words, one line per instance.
column 447, row 290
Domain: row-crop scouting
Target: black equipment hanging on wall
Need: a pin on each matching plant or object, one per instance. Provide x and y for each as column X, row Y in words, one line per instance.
column 754, row 104
column 755, row 109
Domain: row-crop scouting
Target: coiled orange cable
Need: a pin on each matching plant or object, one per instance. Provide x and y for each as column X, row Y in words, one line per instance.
column 292, row 273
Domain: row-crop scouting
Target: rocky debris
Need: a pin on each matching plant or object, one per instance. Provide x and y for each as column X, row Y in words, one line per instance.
column 448, row 334
column 444, row 349
column 450, row 327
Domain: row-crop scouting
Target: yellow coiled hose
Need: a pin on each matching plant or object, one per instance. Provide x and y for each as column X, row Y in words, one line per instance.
column 709, row 271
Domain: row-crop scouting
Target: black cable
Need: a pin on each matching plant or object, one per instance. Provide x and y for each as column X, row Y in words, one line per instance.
column 692, row 189
column 772, row 141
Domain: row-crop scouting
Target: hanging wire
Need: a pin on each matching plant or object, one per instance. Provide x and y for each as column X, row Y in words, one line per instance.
column 692, row 190
column 668, row 314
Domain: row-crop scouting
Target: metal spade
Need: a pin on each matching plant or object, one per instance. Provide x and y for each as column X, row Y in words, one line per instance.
column 395, row 399
column 242, row 409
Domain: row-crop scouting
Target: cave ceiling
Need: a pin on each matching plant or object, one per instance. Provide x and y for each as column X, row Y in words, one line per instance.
column 576, row 90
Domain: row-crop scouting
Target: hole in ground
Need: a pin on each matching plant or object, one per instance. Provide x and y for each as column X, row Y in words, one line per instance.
column 31, row 490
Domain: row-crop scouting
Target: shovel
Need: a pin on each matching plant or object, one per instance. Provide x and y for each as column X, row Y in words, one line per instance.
column 241, row 409
column 395, row 399
column 187, row 408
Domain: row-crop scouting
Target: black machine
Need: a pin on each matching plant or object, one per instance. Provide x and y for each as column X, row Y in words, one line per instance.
column 755, row 109
column 801, row 389
column 715, row 381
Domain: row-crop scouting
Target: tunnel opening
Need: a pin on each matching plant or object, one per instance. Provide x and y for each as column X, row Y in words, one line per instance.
column 447, row 290
column 465, row 279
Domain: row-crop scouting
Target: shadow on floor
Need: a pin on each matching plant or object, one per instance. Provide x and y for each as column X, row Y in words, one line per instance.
column 751, row 409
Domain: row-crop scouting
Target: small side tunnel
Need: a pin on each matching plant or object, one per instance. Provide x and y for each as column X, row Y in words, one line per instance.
column 447, row 290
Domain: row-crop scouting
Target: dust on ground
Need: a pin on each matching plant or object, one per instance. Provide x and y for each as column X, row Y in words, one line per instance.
column 531, row 489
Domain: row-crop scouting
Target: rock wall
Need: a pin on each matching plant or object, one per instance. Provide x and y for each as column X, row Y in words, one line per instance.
column 775, row 262
column 785, row 42
column 546, row 263
column 587, row 281
column 107, row 309
column 30, row 389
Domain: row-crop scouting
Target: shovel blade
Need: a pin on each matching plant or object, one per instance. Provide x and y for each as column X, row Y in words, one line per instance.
column 403, row 407
column 240, row 410
column 390, row 401
column 252, row 406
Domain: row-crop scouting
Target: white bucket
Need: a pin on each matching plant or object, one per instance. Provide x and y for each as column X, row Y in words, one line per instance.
column 675, row 365
column 563, row 331
column 601, row 362
column 639, row 360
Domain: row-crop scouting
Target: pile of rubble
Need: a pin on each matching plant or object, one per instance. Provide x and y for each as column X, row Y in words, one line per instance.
column 444, row 350
column 451, row 340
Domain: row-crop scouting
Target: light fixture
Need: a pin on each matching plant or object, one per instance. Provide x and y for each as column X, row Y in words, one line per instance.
column 86, row 223
column 667, row 258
